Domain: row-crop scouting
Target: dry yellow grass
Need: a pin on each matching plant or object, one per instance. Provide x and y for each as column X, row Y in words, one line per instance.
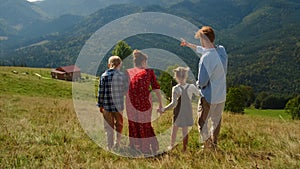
column 39, row 132
column 40, row 129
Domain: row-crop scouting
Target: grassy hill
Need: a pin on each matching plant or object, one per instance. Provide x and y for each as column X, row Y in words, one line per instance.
column 24, row 81
column 40, row 129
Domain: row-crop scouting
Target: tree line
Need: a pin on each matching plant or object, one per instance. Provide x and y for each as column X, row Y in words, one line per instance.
column 238, row 97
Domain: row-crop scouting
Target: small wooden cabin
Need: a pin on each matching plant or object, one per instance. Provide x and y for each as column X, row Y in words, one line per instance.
column 70, row 73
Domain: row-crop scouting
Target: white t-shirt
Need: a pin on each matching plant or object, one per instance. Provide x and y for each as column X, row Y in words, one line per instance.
column 176, row 93
column 212, row 74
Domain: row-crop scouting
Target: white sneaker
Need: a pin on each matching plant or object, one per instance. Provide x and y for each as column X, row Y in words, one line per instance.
column 169, row 148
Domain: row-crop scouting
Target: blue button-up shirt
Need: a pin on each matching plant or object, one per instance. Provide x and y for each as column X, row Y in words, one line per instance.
column 212, row 74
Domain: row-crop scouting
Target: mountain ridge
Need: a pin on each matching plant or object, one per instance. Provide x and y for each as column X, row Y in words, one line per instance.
column 261, row 37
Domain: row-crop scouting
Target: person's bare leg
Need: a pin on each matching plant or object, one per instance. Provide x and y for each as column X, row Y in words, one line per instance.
column 119, row 127
column 185, row 138
column 173, row 136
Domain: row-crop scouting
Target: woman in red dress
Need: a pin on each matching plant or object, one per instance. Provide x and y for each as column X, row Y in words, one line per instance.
column 139, row 105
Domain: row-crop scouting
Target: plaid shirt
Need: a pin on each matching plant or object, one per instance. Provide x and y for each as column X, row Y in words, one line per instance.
column 112, row 88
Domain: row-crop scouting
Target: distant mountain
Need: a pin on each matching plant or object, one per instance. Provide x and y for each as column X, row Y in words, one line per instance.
column 56, row 8
column 261, row 37
column 22, row 23
column 17, row 14
column 265, row 49
column 20, row 12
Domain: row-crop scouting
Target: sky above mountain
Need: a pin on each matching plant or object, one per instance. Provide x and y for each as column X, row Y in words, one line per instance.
column 34, row 0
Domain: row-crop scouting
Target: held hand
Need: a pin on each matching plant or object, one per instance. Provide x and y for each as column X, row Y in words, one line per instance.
column 160, row 110
column 101, row 109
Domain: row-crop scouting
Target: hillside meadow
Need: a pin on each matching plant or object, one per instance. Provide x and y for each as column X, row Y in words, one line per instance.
column 39, row 129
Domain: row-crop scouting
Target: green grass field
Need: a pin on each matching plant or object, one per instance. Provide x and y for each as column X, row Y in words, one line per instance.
column 268, row 113
column 25, row 82
column 40, row 129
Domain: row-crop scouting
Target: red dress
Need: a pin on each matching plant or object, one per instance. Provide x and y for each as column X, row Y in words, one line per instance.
column 139, row 110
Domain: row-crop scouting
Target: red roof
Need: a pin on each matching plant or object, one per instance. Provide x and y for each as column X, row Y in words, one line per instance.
column 69, row 69
column 57, row 71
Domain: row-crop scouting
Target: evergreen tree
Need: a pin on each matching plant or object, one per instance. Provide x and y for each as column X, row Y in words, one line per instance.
column 122, row 49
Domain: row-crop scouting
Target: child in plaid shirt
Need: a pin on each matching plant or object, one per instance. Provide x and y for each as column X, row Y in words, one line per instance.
column 112, row 88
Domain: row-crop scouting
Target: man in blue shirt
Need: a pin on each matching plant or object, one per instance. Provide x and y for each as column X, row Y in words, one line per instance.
column 112, row 88
column 212, row 84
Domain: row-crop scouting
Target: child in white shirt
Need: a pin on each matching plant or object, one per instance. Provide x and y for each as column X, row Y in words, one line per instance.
column 181, row 102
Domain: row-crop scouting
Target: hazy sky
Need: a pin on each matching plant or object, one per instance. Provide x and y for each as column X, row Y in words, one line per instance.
column 33, row 0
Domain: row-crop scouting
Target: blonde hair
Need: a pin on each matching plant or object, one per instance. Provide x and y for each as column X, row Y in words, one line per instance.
column 138, row 57
column 181, row 74
column 114, row 61
column 206, row 32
